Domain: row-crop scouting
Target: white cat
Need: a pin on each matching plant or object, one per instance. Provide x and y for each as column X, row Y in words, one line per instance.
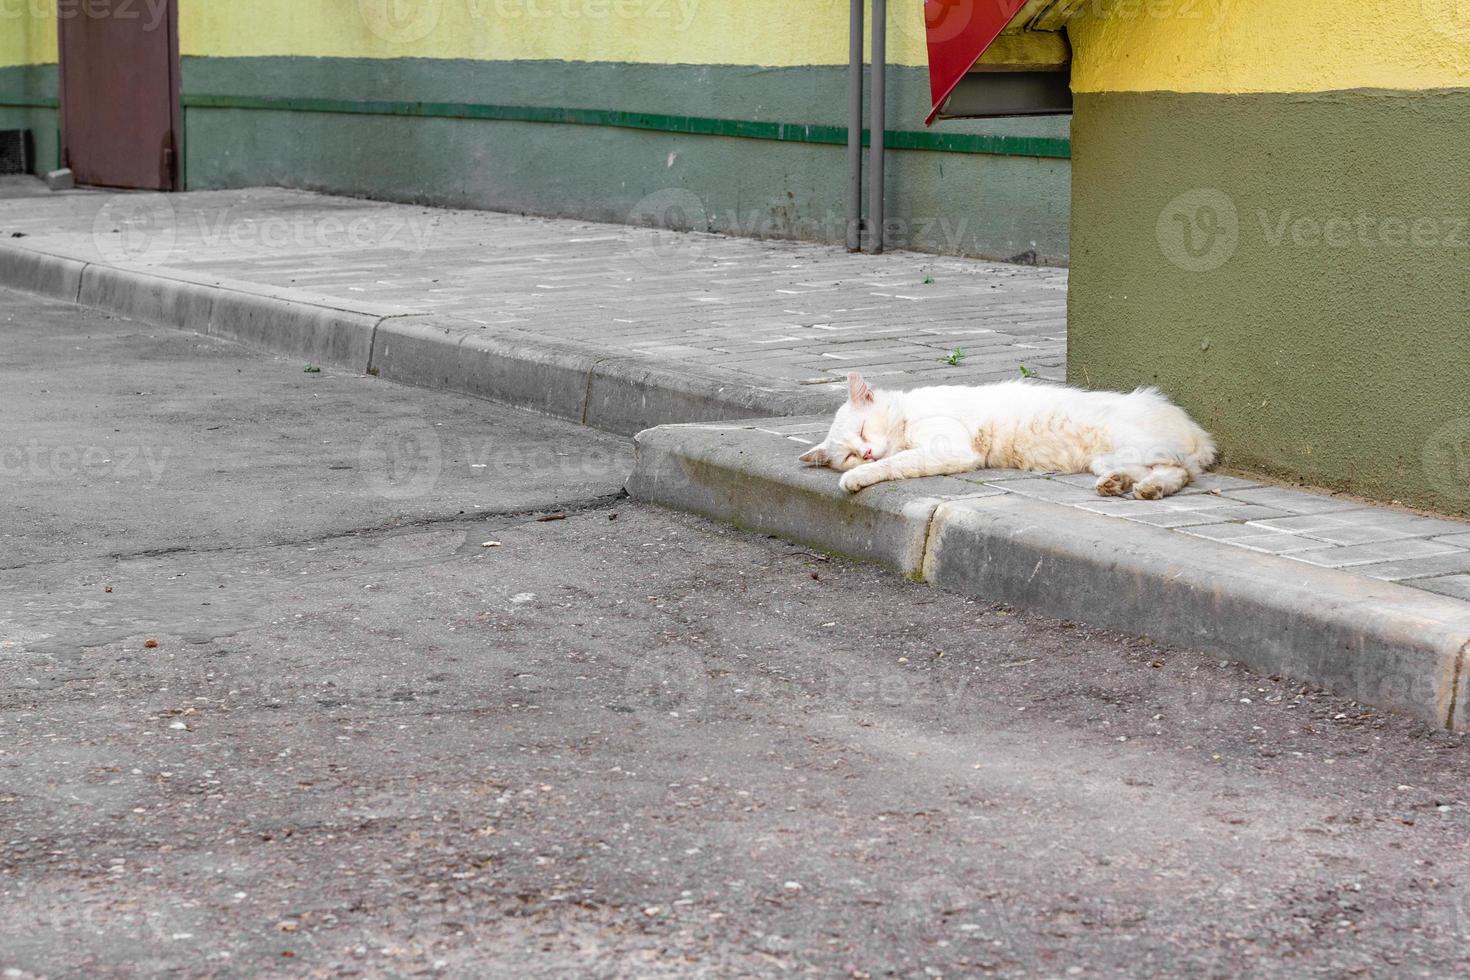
column 1139, row 443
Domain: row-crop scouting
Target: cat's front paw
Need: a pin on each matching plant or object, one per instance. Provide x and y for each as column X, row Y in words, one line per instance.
column 852, row 481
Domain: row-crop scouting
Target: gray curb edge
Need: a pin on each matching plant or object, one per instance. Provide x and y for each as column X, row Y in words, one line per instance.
column 583, row 383
column 1382, row 644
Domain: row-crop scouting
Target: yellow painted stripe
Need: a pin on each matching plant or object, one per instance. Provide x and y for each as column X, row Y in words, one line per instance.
column 27, row 33
column 1229, row 46
column 748, row 32
column 1222, row 46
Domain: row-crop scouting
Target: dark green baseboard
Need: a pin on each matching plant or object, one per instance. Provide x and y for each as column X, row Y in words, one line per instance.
column 760, row 150
column 973, row 204
column 28, row 101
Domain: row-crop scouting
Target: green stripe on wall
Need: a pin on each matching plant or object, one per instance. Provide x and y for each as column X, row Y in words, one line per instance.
column 990, row 144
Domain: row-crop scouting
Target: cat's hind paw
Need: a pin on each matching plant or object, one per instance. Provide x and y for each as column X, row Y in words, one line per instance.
column 1114, row 485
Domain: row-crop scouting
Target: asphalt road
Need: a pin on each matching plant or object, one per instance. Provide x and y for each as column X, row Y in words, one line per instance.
column 271, row 708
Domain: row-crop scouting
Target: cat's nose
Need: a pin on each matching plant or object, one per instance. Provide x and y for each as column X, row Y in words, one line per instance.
column 867, row 454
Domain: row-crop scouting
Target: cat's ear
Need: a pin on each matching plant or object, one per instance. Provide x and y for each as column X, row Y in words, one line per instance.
column 818, row 454
column 858, row 391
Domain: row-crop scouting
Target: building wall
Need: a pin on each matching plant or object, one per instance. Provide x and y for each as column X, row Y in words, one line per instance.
column 28, row 77
column 1271, row 220
column 618, row 110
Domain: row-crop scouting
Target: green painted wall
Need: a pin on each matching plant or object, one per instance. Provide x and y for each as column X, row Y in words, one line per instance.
column 986, row 204
column 1294, row 269
column 21, row 88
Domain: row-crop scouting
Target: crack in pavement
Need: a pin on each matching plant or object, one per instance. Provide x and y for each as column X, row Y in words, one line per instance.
column 576, row 506
column 168, row 609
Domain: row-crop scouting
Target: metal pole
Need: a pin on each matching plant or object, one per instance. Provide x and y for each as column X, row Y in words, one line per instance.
column 855, row 126
column 879, row 113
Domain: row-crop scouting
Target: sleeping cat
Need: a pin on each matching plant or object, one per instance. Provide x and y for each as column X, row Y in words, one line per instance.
column 1138, row 443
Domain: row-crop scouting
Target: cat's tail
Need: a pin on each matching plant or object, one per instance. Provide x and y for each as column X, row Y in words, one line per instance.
column 1201, row 454
column 1196, row 450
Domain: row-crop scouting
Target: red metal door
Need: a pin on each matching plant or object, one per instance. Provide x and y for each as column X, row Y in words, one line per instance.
column 120, row 92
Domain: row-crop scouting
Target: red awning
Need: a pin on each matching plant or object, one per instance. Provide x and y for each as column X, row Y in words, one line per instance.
column 959, row 32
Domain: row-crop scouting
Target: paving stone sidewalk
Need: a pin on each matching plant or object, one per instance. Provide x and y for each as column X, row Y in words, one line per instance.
column 1345, row 533
column 775, row 312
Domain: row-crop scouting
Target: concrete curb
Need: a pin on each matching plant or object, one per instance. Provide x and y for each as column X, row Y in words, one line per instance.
column 583, row 383
column 1382, row 644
